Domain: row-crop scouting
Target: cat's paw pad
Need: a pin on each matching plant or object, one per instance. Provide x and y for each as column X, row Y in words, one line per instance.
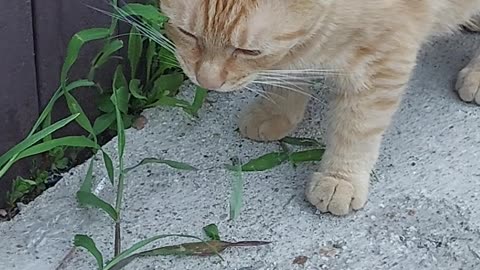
column 265, row 123
column 336, row 196
column 468, row 84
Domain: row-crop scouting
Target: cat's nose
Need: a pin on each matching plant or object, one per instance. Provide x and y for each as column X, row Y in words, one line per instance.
column 210, row 77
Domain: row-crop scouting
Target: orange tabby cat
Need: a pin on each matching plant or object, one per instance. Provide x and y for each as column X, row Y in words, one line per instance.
column 369, row 45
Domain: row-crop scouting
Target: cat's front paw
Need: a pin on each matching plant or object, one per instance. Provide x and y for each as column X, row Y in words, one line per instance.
column 263, row 122
column 468, row 83
column 337, row 196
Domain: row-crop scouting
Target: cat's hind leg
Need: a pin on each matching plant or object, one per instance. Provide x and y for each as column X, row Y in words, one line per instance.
column 468, row 81
column 275, row 115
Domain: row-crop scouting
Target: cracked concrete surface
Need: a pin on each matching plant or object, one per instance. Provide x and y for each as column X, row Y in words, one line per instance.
column 423, row 212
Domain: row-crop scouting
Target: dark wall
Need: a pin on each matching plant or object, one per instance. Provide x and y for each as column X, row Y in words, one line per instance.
column 18, row 93
column 33, row 38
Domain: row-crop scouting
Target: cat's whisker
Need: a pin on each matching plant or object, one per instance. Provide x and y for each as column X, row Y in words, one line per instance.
column 298, row 77
column 300, row 71
column 169, row 60
column 307, row 70
column 280, row 85
column 143, row 28
column 147, row 29
column 302, row 81
column 284, row 82
column 140, row 22
column 262, row 94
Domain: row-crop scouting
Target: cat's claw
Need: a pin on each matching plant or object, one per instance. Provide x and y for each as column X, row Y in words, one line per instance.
column 335, row 196
column 468, row 82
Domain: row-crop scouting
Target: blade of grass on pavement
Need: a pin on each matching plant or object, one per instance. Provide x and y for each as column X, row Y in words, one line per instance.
column 307, row 156
column 236, row 198
column 87, row 243
column 130, row 252
column 88, row 181
column 264, row 163
column 212, row 232
column 92, row 200
column 173, row 164
column 109, row 166
column 198, row 101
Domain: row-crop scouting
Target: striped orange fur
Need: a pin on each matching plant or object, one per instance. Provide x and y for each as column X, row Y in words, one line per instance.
column 370, row 46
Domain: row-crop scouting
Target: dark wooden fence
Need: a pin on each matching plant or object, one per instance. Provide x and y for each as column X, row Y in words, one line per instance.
column 33, row 39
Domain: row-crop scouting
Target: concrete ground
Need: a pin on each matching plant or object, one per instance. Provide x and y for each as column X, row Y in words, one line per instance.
column 423, row 212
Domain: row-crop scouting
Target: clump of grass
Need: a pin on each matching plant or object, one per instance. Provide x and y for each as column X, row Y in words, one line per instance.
column 128, row 94
column 156, row 83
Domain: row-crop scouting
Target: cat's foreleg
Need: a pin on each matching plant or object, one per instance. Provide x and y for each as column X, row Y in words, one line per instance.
column 275, row 114
column 359, row 116
column 468, row 82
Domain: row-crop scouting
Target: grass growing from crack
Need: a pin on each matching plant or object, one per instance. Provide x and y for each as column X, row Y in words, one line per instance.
column 128, row 95
column 154, row 84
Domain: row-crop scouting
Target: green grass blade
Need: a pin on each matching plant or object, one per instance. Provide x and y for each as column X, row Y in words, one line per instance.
column 73, row 141
column 129, row 252
column 104, row 104
column 82, row 118
column 48, row 109
column 148, row 12
column 307, row 156
column 114, row 24
column 76, row 43
column 33, row 139
column 120, row 86
column 212, row 232
column 90, row 199
column 200, row 96
column 87, row 243
column 236, row 198
column 135, row 47
column 109, row 166
column 121, row 147
column 171, row 102
column 265, row 162
column 134, row 87
column 107, row 52
column 173, row 164
column 167, row 83
column 87, row 182
column 103, row 122
column 120, row 126
column 150, row 54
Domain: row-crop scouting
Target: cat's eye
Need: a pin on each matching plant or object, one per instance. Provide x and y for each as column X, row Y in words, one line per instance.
column 185, row 32
column 248, row 52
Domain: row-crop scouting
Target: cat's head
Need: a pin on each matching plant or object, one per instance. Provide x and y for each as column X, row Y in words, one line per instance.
column 223, row 45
